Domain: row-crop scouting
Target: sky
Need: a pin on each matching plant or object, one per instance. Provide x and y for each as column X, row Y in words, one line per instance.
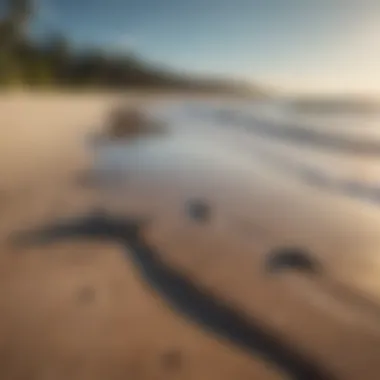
column 294, row 46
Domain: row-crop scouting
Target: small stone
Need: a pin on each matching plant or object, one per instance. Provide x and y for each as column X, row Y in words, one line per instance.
column 295, row 259
column 171, row 360
column 86, row 294
column 199, row 210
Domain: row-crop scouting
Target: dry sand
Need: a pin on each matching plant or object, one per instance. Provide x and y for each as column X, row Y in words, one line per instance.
column 81, row 311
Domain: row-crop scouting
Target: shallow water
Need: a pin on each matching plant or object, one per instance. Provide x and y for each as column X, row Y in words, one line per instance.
column 324, row 199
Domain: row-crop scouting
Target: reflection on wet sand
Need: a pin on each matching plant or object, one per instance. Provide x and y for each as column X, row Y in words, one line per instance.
column 248, row 173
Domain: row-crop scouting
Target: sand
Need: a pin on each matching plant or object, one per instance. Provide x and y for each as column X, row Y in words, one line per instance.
column 80, row 310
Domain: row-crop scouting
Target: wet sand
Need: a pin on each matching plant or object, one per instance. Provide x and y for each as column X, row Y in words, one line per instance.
column 80, row 310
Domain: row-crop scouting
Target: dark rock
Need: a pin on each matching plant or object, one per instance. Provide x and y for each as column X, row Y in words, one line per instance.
column 199, row 210
column 295, row 259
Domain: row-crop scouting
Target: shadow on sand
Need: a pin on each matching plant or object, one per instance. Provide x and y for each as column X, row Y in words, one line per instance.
column 181, row 293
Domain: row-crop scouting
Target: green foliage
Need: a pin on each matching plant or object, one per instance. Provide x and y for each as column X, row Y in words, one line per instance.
column 10, row 71
column 52, row 62
column 38, row 73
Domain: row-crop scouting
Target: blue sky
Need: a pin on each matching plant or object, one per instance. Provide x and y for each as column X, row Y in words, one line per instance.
column 292, row 45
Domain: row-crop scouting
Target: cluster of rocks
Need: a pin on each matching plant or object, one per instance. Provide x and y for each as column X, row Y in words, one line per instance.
column 130, row 122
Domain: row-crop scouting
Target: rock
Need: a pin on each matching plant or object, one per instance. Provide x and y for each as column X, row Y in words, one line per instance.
column 199, row 210
column 294, row 259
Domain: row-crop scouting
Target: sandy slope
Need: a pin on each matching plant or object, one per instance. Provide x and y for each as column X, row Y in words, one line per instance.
column 81, row 311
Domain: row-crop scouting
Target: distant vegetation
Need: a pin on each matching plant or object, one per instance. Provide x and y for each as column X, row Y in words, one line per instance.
column 53, row 62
